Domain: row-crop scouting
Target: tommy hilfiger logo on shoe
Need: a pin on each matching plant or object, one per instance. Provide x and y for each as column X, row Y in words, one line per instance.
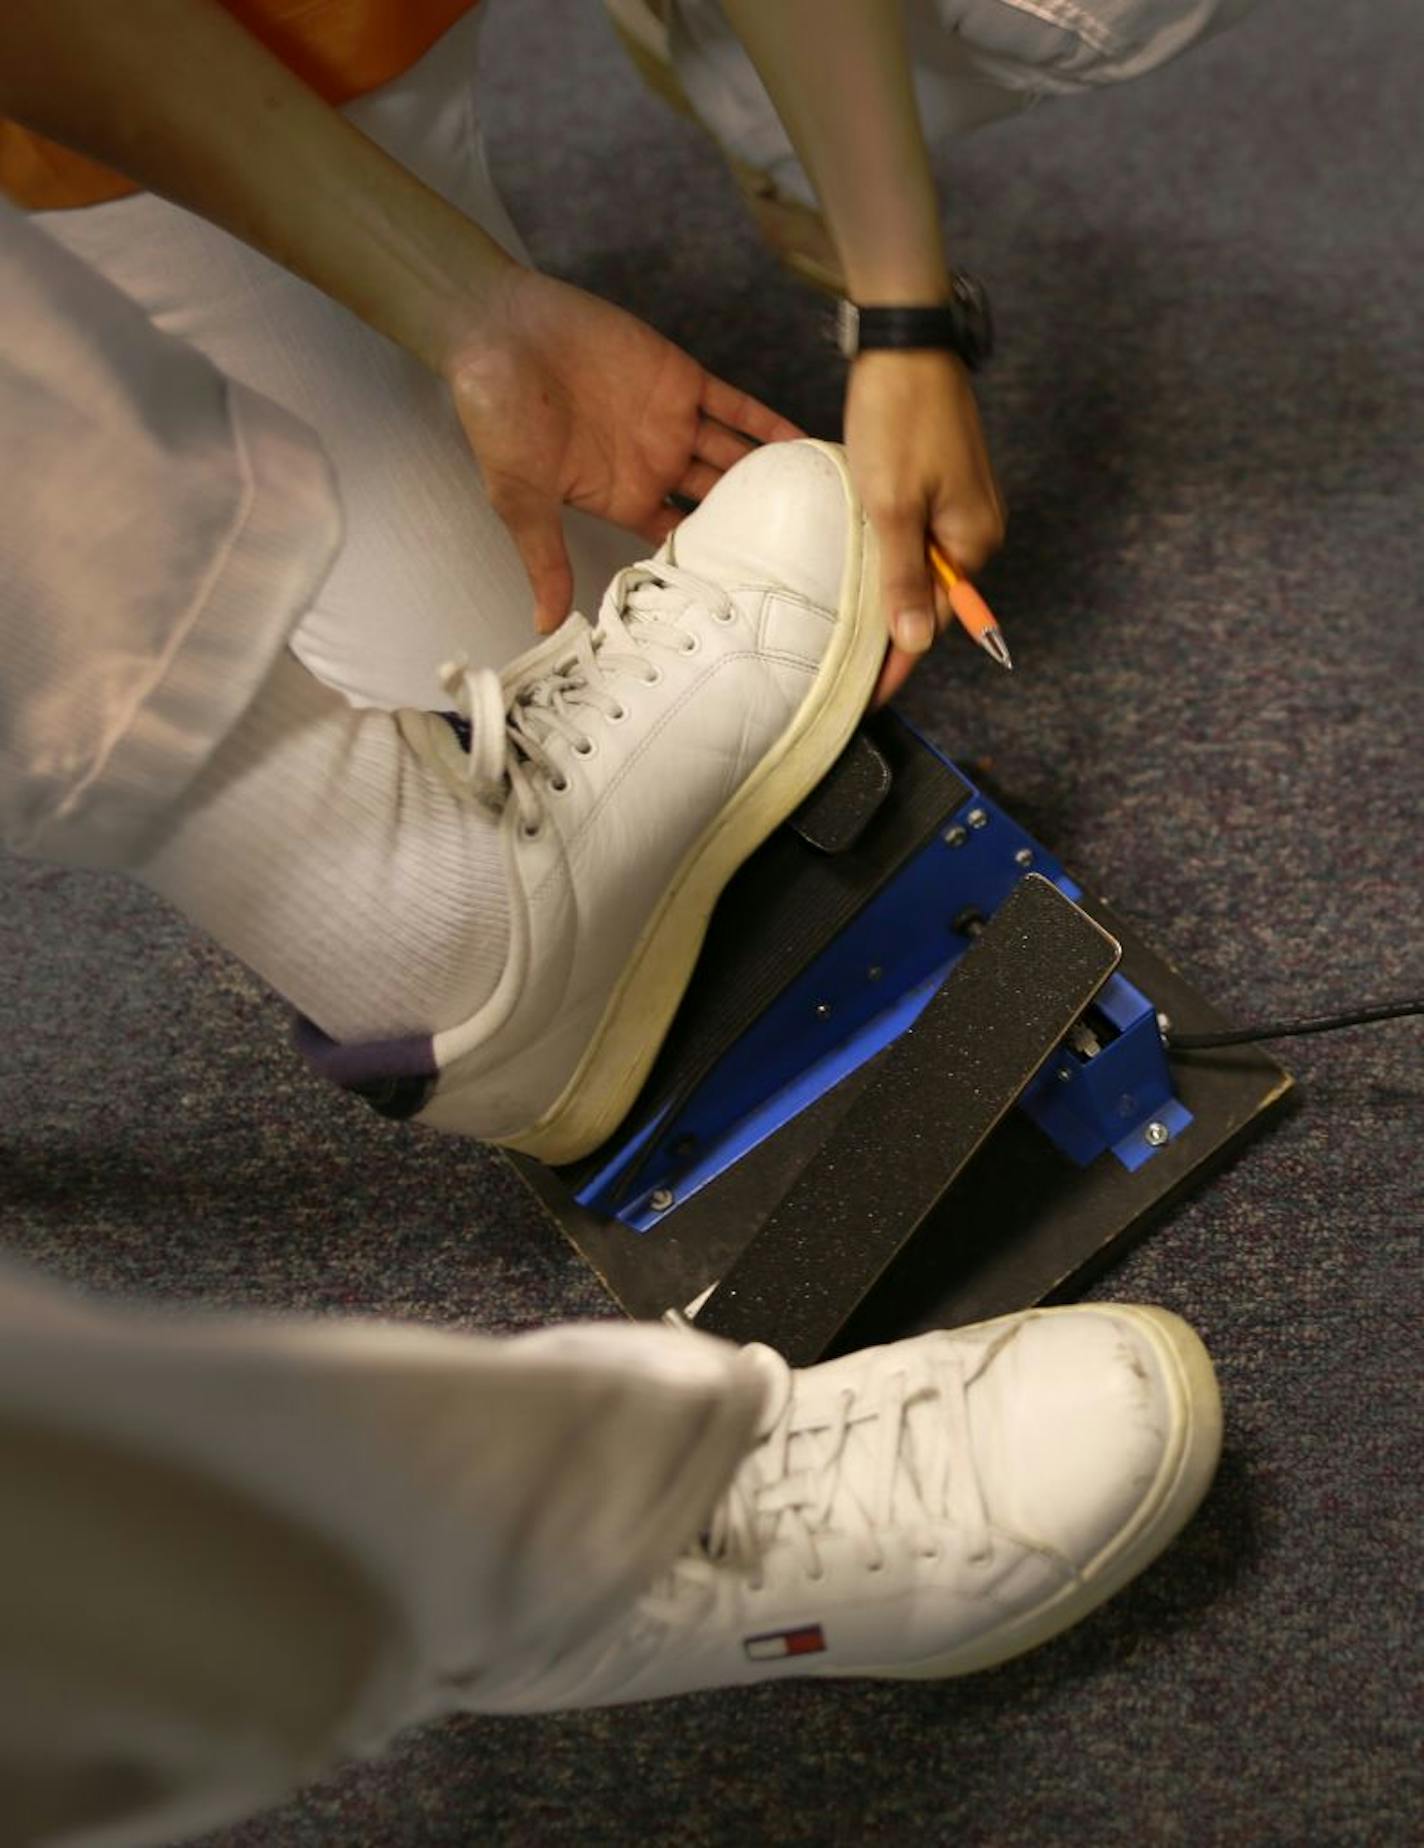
column 808, row 1640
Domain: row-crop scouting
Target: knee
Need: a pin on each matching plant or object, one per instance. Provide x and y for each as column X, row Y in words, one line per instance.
column 1080, row 44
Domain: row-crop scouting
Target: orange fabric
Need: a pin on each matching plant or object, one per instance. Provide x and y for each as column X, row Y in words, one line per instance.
column 342, row 48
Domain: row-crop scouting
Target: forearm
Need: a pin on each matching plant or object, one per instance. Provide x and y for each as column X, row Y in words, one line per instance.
column 839, row 75
column 175, row 94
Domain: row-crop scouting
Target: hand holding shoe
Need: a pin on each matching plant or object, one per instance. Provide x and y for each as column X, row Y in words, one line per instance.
column 566, row 398
column 921, row 466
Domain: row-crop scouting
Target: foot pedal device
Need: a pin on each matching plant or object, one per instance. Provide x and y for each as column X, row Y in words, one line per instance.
column 920, row 1078
column 1014, row 997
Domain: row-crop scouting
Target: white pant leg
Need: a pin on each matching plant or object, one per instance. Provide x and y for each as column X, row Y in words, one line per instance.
column 231, row 1551
column 161, row 530
column 1056, row 47
column 974, row 62
column 235, row 1551
column 427, row 569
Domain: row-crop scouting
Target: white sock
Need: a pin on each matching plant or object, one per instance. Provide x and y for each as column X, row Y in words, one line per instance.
column 320, row 849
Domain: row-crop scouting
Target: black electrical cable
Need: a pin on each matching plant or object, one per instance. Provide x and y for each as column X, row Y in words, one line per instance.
column 1288, row 1029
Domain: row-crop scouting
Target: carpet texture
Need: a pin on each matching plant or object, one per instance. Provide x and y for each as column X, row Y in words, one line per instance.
column 1207, row 416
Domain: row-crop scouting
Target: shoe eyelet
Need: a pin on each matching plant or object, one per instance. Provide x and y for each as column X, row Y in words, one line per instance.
column 584, row 749
column 617, row 716
column 561, row 787
column 725, row 617
column 531, row 834
column 879, row 1566
column 653, row 678
column 692, row 646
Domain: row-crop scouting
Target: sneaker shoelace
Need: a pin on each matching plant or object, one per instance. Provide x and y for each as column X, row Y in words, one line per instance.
column 894, row 1457
column 519, row 718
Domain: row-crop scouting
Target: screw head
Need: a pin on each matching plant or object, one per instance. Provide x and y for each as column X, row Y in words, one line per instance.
column 978, row 818
column 1024, row 857
column 823, row 1010
column 661, row 1199
column 1164, row 1023
column 874, row 973
column 1156, row 1134
column 1064, row 1074
column 955, row 836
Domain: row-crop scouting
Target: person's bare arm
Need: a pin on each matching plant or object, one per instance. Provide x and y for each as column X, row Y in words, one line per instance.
column 839, row 75
column 178, row 96
column 563, row 396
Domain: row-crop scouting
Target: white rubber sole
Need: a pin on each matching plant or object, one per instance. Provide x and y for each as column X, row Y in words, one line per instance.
column 635, row 1021
column 1183, row 1478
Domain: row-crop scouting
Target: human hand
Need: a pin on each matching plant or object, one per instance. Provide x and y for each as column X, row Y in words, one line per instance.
column 917, row 455
column 566, row 398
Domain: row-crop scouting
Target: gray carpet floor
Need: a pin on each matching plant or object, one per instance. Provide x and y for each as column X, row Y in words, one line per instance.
column 1208, row 418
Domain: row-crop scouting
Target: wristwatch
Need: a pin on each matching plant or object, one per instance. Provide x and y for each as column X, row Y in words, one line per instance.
column 962, row 325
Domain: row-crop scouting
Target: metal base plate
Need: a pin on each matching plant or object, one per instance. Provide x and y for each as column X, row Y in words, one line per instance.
column 951, row 1212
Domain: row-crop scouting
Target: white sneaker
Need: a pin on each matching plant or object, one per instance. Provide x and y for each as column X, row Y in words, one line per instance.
column 921, row 1510
column 639, row 761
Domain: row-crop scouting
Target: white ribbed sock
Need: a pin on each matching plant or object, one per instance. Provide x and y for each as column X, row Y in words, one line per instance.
column 320, row 849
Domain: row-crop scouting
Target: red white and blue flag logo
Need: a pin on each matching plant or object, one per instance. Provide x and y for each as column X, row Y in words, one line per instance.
column 809, row 1639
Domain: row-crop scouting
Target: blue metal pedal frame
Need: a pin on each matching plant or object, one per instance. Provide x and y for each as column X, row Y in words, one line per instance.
column 1107, row 1092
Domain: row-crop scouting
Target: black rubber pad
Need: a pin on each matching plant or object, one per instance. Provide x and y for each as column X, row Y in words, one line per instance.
column 924, row 1110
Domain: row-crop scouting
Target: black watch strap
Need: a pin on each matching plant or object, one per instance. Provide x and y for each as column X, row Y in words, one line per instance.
column 961, row 325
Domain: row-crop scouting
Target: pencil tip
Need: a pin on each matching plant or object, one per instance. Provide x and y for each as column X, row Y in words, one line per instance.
column 992, row 642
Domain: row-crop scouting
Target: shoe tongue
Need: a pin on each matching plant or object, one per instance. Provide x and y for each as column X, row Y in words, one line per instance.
column 860, row 1468
column 919, row 1482
column 640, row 597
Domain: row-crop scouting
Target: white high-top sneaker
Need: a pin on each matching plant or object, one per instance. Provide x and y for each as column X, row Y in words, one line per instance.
column 921, row 1510
column 639, row 761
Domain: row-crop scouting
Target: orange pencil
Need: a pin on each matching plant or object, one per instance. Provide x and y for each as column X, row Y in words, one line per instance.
column 975, row 617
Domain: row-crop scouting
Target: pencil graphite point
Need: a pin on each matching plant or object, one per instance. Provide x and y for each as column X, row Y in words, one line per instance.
column 970, row 609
